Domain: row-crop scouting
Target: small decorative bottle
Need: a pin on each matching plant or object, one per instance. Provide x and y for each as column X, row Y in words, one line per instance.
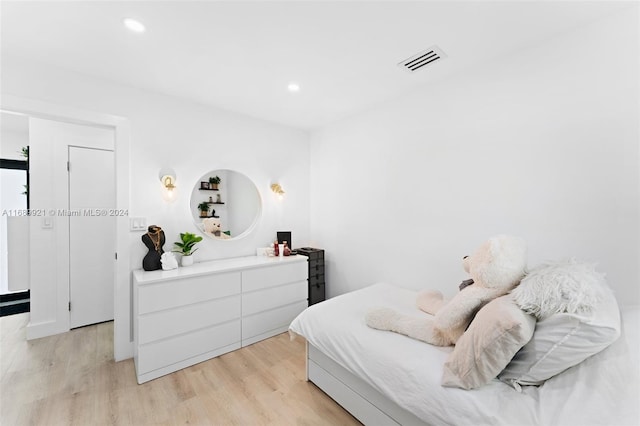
column 219, row 199
column 287, row 250
column 276, row 250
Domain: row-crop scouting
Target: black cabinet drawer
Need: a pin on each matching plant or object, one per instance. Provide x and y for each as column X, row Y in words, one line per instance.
column 315, row 259
column 316, row 262
column 311, row 253
column 316, row 294
column 316, row 279
column 316, row 267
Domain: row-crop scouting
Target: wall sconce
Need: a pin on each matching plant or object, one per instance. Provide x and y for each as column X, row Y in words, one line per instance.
column 277, row 189
column 168, row 179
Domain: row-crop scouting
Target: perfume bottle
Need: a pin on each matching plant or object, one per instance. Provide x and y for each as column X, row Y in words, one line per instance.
column 276, row 250
column 287, row 250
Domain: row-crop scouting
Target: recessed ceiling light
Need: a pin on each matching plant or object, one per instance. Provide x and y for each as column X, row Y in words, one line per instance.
column 293, row 87
column 133, row 25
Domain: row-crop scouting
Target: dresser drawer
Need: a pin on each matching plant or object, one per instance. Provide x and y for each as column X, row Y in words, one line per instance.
column 171, row 322
column 259, row 278
column 163, row 353
column 263, row 322
column 264, row 300
column 171, row 294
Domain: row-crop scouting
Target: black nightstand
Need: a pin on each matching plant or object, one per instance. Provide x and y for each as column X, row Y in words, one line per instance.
column 316, row 273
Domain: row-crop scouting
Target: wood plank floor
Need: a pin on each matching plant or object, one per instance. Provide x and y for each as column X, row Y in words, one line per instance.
column 72, row 379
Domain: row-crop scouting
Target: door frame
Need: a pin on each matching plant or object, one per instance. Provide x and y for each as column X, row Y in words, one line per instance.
column 123, row 325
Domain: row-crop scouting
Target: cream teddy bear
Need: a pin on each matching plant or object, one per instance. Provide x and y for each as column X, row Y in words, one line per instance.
column 495, row 268
column 213, row 226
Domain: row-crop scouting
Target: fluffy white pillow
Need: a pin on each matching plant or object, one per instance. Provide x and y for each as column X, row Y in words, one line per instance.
column 562, row 340
column 497, row 332
column 566, row 286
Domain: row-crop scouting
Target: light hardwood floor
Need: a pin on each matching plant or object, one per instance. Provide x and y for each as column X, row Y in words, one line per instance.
column 72, row 379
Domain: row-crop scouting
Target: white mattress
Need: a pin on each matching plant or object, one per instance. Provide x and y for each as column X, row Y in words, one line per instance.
column 408, row 371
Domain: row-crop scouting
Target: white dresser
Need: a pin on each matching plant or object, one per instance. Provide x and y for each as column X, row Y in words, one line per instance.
column 188, row 315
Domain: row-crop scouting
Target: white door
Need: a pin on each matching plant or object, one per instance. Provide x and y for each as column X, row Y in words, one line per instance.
column 92, row 235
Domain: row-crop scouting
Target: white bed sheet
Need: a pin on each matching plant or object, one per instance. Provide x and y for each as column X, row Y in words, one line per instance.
column 603, row 390
column 405, row 370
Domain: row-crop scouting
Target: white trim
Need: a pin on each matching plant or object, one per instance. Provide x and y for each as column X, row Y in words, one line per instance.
column 44, row 329
column 122, row 330
column 123, row 294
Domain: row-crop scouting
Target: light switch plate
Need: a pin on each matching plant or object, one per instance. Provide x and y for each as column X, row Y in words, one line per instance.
column 137, row 224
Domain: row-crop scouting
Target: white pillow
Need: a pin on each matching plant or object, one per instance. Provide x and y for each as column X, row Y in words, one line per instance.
column 563, row 340
column 497, row 332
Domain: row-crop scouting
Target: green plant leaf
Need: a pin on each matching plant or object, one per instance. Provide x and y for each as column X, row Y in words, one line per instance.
column 188, row 241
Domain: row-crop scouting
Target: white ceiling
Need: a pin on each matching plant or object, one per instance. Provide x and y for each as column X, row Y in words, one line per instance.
column 241, row 55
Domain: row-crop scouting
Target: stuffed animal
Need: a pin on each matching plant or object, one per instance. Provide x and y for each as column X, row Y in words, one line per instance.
column 213, row 226
column 495, row 268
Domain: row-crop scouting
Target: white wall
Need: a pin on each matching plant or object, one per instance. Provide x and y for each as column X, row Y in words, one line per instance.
column 192, row 139
column 541, row 144
column 14, row 134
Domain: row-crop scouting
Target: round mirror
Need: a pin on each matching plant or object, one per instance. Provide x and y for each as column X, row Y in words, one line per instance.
column 225, row 204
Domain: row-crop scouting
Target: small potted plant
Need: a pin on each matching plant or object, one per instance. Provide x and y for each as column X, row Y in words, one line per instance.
column 204, row 209
column 214, row 182
column 185, row 247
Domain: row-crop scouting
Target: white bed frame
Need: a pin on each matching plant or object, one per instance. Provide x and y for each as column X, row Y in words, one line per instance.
column 354, row 394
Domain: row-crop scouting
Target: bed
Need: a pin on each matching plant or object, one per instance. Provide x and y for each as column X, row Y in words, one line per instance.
column 384, row 378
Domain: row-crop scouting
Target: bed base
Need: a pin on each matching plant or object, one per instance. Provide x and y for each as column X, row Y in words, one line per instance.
column 355, row 395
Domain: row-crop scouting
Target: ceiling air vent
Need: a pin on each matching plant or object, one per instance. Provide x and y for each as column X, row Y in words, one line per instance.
column 422, row 59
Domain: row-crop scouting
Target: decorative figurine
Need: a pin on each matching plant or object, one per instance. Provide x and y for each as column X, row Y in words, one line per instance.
column 154, row 240
column 168, row 261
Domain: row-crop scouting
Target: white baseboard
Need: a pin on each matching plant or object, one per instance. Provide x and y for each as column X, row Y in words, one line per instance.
column 44, row 329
